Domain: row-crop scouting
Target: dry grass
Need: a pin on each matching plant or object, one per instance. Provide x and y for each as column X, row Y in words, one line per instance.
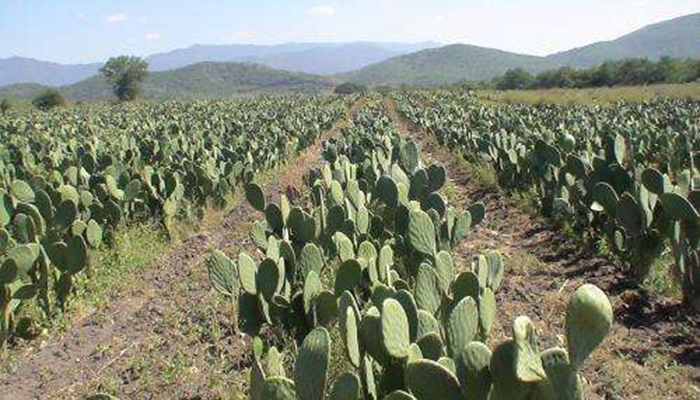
column 592, row 96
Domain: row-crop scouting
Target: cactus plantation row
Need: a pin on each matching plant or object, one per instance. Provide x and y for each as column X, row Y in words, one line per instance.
column 365, row 264
column 626, row 174
column 68, row 179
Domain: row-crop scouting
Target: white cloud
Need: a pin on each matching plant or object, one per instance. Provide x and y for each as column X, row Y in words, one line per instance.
column 321, row 11
column 153, row 36
column 439, row 18
column 116, row 18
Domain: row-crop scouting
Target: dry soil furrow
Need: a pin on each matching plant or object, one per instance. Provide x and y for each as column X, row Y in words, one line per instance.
column 653, row 350
column 160, row 339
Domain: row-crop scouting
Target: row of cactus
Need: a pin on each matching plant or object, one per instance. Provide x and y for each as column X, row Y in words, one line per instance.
column 625, row 173
column 424, row 368
column 375, row 265
column 69, row 179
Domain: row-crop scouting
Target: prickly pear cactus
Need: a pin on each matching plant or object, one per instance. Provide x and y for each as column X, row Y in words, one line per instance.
column 563, row 380
column 589, row 319
column 223, row 274
column 395, row 330
column 462, row 325
column 528, row 366
column 346, row 387
column 311, row 369
column 427, row 379
column 474, row 371
column 421, row 232
column 255, row 196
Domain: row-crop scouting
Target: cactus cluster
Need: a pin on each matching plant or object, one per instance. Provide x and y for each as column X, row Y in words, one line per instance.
column 376, row 265
column 69, row 180
column 623, row 174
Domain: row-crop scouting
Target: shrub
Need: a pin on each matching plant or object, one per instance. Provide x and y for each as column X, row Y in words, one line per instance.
column 48, row 100
column 516, row 78
column 5, row 106
column 350, row 88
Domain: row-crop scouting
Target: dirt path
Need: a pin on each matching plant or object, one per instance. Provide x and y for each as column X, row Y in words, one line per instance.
column 653, row 351
column 168, row 336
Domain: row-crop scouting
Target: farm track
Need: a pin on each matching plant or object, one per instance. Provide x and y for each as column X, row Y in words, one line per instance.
column 653, row 351
column 169, row 336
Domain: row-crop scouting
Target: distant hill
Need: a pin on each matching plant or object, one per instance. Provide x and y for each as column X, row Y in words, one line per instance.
column 377, row 63
column 293, row 56
column 329, row 60
column 202, row 80
column 444, row 65
column 677, row 38
column 27, row 70
column 318, row 58
column 216, row 53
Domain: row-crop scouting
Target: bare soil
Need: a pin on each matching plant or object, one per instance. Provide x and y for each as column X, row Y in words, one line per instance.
column 653, row 351
column 168, row 336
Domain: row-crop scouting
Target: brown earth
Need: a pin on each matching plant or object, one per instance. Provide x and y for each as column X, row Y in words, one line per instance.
column 653, row 351
column 169, row 335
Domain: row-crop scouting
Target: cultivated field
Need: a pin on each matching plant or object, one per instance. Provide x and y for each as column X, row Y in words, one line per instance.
column 414, row 245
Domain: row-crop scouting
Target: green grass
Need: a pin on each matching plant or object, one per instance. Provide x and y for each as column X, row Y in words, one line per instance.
column 593, row 96
column 113, row 270
column 661, row 278
column 527, row 201
column 135, row 247
column 525, row 263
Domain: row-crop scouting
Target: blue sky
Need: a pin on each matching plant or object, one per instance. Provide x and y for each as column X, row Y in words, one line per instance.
column 85, row 31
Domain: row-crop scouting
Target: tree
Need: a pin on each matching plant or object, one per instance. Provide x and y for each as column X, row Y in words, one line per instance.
column 350, row 88
column 125, row 73
column 5, row 106
column 562, row 78
column 516, row 79
column 48, row 100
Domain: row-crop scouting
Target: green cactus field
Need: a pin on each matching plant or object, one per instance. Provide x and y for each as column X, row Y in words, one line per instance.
column 421, row 244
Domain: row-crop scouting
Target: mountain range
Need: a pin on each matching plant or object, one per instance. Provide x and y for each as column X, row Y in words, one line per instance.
column 317, row 66
column 679, row 38
column 314, row 58
column 27, row 70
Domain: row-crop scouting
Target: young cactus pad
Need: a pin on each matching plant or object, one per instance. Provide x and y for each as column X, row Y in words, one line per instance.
column 395, row 330
column 589, row 318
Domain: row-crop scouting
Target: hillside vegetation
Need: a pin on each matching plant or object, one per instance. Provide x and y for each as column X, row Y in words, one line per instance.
column 203, row 80
column 444, row 65
column 677, row 38
column 630, row 72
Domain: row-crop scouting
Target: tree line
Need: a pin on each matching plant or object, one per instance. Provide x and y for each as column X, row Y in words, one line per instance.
column 628, row 72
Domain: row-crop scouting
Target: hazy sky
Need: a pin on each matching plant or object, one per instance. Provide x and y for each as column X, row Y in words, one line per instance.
column 85, row 31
